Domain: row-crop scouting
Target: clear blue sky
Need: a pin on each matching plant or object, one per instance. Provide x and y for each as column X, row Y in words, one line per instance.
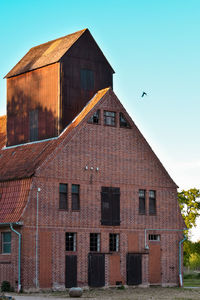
column 153, row 46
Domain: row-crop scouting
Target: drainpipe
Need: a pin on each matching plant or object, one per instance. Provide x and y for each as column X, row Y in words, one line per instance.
column 180, row 262
column 36, row 241
column 19, row 257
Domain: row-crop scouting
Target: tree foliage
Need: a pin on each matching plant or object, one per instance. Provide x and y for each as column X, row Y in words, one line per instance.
column 189, row 202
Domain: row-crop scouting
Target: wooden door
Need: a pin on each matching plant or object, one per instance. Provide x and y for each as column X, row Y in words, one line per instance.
column 134, row 269
column 71, row 271
column 154, row 263
column 96, row 270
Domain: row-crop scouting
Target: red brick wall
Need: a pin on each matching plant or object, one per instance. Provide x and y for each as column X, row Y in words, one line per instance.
column 124, row 160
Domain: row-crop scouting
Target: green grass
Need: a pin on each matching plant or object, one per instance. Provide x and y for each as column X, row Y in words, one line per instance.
column 191, row 279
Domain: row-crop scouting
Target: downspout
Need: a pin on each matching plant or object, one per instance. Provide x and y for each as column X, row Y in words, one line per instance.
column 36, row 241
column 180, row 262
column 167, row 229
column 19, row 257
column 158, row 229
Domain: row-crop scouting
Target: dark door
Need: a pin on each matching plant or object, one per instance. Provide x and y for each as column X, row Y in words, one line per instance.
column 71, row 271
column 96, row 270
column 134, row 268
column 110, row 206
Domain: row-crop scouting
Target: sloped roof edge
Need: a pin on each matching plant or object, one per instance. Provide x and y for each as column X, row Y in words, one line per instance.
column 21, row 161
column 48, row 53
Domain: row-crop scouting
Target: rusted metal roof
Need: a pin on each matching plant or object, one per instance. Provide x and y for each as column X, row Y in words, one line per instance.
column 2, row 131
column 45, row 54
column 21, row 161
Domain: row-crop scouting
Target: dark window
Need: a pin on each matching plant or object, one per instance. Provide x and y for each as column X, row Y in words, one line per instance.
column 75, row 197
column 114, row 242
column 109, row 118
column 142, row 202
column 95, row 242
column 110, row 206
column 152, row 202
column 70, row 241
column 95, row 119
column 63, row 202
column 6, row 242
column 154, row 237
column 33, row 125
column 123, row 122
column 87, row 79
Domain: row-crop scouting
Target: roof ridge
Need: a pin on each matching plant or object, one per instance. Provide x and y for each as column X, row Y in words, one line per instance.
column 60, row 38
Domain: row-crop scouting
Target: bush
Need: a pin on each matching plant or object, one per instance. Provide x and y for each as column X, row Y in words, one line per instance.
column 5, row 286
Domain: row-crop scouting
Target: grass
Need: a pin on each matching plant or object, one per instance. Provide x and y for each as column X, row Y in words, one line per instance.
column 191, row 279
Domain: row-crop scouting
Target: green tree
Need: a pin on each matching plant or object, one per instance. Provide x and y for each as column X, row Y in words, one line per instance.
column 189, row 202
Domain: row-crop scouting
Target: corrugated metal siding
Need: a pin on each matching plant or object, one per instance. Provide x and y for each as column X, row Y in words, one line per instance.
column 84, row 55
column 33, row 90
column 2, row 131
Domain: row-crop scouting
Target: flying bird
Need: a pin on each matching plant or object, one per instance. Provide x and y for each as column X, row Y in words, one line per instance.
column 144, row 94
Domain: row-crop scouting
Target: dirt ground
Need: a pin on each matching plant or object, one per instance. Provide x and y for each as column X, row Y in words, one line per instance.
column 152, row 293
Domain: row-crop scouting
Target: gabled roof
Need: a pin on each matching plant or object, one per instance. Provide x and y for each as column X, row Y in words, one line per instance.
column 2, row 131
column 46, row 54
column 21, row 161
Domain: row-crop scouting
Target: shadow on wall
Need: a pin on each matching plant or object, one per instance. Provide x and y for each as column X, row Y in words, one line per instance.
column 29, row 117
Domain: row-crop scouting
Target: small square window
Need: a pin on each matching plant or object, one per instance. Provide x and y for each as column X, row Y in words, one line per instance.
column 70, row 241
column 75, row 197
column 6, row 242
column 63, row 194
column 95, row 242
column 123, row 122
column 109, row 118
column 95, row 119
column 114, row 242
column 154, row 237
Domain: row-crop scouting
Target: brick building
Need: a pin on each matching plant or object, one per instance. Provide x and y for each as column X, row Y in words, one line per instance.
column 83, row 198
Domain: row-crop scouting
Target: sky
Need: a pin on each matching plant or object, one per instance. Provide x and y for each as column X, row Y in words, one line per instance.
column 152, row 45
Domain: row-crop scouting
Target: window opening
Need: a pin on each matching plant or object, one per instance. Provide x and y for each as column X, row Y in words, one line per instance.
column 114, row 242
column 123, row 122
column 6, row 242
column 142, row 209
column 95, row 242
column 152, row 202
column 95, row 119
column 70, row 241
column 109, row 118
column 87, row 79
column 63, row 201
column 75, row 197
column 33, row 125
column 154, row 237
